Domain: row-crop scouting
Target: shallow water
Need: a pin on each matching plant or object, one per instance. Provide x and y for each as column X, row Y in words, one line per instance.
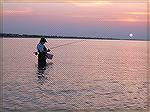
column 102, row 75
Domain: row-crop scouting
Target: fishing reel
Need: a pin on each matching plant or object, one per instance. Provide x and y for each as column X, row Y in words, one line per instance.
column 36, row 53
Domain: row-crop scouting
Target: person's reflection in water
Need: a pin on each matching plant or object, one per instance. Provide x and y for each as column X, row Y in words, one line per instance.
column 41, row 74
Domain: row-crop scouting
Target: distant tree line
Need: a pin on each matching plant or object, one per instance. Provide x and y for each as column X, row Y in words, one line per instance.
column 19, row 35
column 9, row 35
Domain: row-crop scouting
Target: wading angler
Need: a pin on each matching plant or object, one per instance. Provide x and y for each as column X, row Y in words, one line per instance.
column 42, row 53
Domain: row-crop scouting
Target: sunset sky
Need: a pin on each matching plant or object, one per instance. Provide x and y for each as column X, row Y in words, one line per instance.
column 90, row 19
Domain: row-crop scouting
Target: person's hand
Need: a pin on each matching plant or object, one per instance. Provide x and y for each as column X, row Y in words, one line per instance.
column 48, row 50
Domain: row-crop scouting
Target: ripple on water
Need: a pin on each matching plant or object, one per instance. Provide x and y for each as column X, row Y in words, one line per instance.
column 108, row 78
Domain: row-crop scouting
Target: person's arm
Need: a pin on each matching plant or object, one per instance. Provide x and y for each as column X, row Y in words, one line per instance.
column 46, row 50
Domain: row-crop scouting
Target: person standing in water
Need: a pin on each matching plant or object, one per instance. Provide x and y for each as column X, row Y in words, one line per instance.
column 42, row 51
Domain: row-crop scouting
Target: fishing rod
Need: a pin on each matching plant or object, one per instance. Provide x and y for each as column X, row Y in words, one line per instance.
column 36, row 53
column 66, row 44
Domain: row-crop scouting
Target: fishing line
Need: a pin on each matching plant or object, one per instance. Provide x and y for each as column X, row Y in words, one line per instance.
column 66, row 44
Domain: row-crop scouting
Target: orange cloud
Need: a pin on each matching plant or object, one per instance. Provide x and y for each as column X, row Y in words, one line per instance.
column 139, row 13
column 17, row 11
column 73, row 1
column 131, row 20
column 110, row 19
column 90, row 3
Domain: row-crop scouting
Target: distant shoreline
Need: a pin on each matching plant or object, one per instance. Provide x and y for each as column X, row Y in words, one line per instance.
column 6, row 35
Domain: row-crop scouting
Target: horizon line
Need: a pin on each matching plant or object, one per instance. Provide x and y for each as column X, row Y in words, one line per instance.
column 16, row 35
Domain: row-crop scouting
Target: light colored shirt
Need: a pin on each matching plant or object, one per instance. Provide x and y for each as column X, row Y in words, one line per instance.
column 40, row 47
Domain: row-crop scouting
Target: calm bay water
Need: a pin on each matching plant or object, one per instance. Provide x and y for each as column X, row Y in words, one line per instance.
column 101, row 75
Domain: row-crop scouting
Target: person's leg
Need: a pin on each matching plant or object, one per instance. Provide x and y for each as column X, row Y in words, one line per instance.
column 44, row 61
column 40, row 61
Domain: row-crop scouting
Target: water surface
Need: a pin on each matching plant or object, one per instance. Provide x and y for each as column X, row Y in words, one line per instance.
column 102, row 75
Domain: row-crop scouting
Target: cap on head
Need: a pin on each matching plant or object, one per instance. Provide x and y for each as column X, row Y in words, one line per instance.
column 43, row 39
